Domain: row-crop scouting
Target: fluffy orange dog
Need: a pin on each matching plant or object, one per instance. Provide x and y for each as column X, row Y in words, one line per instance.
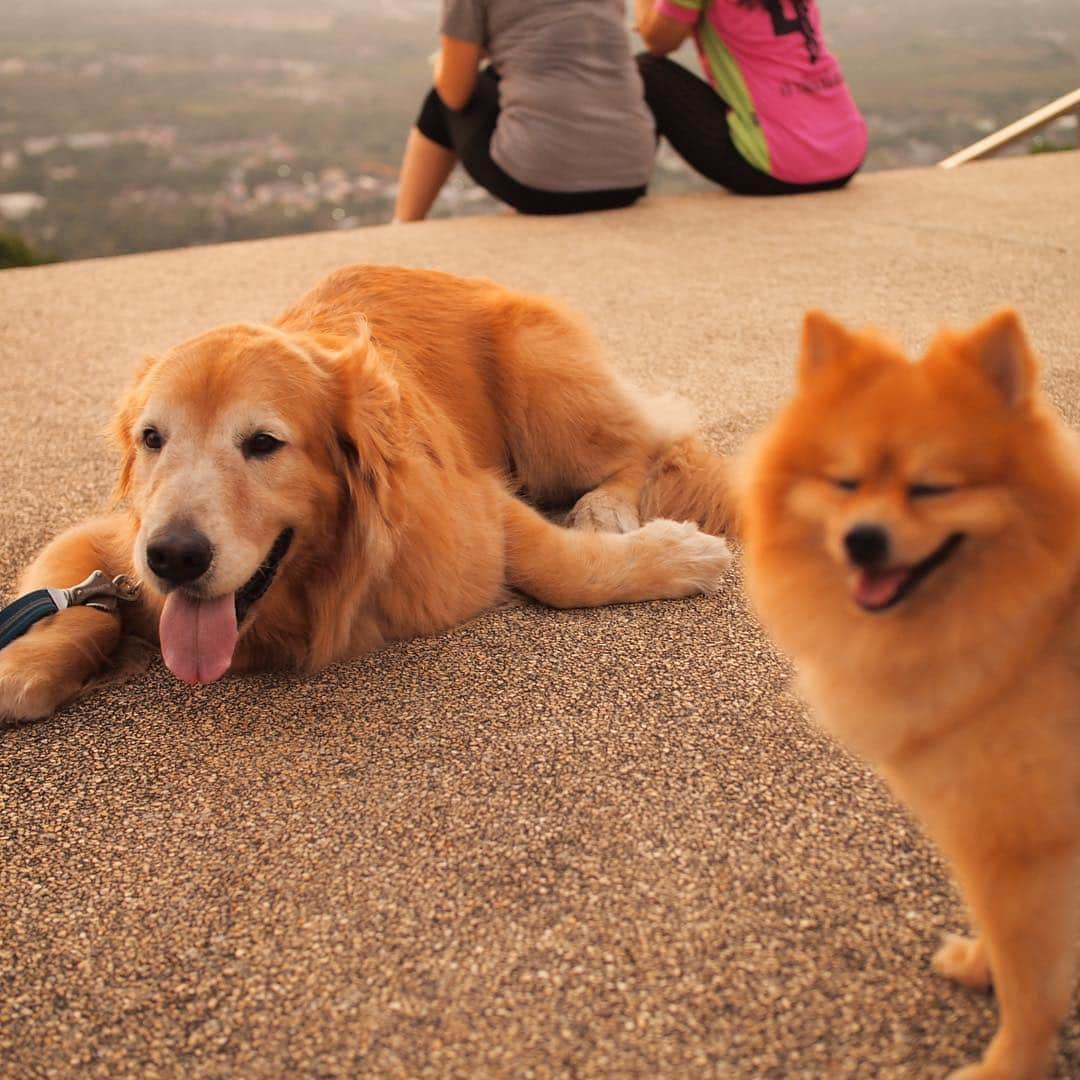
column 309, row 490
column 913, row 541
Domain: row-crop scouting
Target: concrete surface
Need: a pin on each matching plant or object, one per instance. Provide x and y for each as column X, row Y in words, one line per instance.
column 584, row 844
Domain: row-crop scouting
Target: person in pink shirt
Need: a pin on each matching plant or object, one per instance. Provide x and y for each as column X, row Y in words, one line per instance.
column 775, row 116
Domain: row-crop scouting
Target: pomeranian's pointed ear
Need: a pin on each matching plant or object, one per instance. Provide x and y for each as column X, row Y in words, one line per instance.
column 1000, row 348
column 823, row 341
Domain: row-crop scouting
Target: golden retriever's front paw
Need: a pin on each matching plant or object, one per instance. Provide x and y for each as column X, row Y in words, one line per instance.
column 963, row 960
column 26, row 692
column 25, row 699
column 692, row 561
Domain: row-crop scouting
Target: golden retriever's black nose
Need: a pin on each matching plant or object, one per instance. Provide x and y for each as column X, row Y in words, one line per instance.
column 179, row 555
column 867, row 545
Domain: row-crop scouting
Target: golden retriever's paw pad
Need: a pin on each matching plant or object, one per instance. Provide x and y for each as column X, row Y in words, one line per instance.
column 599, row 511
column 963, row 960
column 689, row 560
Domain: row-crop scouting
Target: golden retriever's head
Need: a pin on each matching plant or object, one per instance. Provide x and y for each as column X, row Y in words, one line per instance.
column 892, row 500
column 245, row 453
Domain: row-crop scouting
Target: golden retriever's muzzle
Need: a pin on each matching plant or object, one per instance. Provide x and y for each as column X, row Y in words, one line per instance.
column 199, row 633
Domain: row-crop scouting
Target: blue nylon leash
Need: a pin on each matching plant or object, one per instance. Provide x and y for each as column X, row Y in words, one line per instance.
column 97, row 591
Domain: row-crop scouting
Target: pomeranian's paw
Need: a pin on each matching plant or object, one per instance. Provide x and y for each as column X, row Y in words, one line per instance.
column 599, row 511
column 981, row 1071
column 963, row 960
column 690, row 560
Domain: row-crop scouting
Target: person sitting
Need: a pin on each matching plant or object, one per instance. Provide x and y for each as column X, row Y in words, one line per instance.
column 776, row 116
column 556, row 124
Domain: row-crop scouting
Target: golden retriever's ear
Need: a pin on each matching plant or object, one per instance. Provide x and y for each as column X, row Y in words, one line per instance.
column 999, row 348
column 120, row 428
column 368, row 402
column 824, row 341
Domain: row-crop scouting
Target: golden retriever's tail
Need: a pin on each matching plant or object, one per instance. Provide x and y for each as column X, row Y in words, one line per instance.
column 688, row 482
column 569, row 568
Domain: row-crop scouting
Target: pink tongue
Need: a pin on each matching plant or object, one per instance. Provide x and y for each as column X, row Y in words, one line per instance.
column 198, row 636
column 876, row 590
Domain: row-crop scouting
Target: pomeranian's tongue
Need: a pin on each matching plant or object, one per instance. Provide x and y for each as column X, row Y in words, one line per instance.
column 875, row 590
column 198, row 636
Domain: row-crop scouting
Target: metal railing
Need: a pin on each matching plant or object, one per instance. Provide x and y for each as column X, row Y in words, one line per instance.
column 1031, row 123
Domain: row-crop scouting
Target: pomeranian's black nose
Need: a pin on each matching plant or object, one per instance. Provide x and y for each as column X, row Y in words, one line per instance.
column 179, row 555
column 867, row 545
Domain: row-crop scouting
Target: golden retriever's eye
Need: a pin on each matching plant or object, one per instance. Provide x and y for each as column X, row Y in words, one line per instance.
column 261, row 445
column 152, row 439
column 928, row 491
column 844, row 483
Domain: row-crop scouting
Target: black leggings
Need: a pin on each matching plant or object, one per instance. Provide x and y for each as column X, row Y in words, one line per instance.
column 467, row 132
column 692, row 116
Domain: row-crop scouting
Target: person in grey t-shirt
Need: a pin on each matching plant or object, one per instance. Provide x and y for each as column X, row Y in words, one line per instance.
column 556, row 124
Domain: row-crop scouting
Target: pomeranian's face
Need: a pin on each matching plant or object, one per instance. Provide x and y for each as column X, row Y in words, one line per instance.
column 892, row 490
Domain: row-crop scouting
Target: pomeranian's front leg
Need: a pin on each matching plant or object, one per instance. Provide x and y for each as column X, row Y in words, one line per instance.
column 1026, row 910
column 51, row 662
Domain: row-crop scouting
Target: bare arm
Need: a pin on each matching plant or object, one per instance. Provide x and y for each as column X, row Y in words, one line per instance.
column 661, row 33
column 456, row 70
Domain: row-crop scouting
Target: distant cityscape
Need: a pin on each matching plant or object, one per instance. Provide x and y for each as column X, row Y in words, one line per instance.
column 247, row 187
column 173, row 122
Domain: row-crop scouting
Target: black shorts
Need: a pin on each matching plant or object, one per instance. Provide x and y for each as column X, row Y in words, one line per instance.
column 467, row 132
column 693, row 117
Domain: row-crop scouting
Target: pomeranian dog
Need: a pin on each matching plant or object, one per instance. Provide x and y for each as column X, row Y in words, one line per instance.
column 355, row 473
column 912, row 538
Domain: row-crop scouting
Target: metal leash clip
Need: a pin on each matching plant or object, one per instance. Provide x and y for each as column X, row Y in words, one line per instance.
column 97, row 591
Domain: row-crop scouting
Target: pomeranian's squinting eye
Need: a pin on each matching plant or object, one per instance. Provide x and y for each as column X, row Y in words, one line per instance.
column 844, row 483
column 928, row 491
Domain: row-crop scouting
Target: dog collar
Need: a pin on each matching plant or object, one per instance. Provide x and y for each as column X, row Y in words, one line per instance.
column 97, row 591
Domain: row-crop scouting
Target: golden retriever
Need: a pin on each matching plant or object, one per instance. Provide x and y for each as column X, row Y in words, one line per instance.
column 349, row 475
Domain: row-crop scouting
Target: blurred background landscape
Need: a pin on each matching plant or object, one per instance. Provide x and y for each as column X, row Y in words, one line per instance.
column 135, row 125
